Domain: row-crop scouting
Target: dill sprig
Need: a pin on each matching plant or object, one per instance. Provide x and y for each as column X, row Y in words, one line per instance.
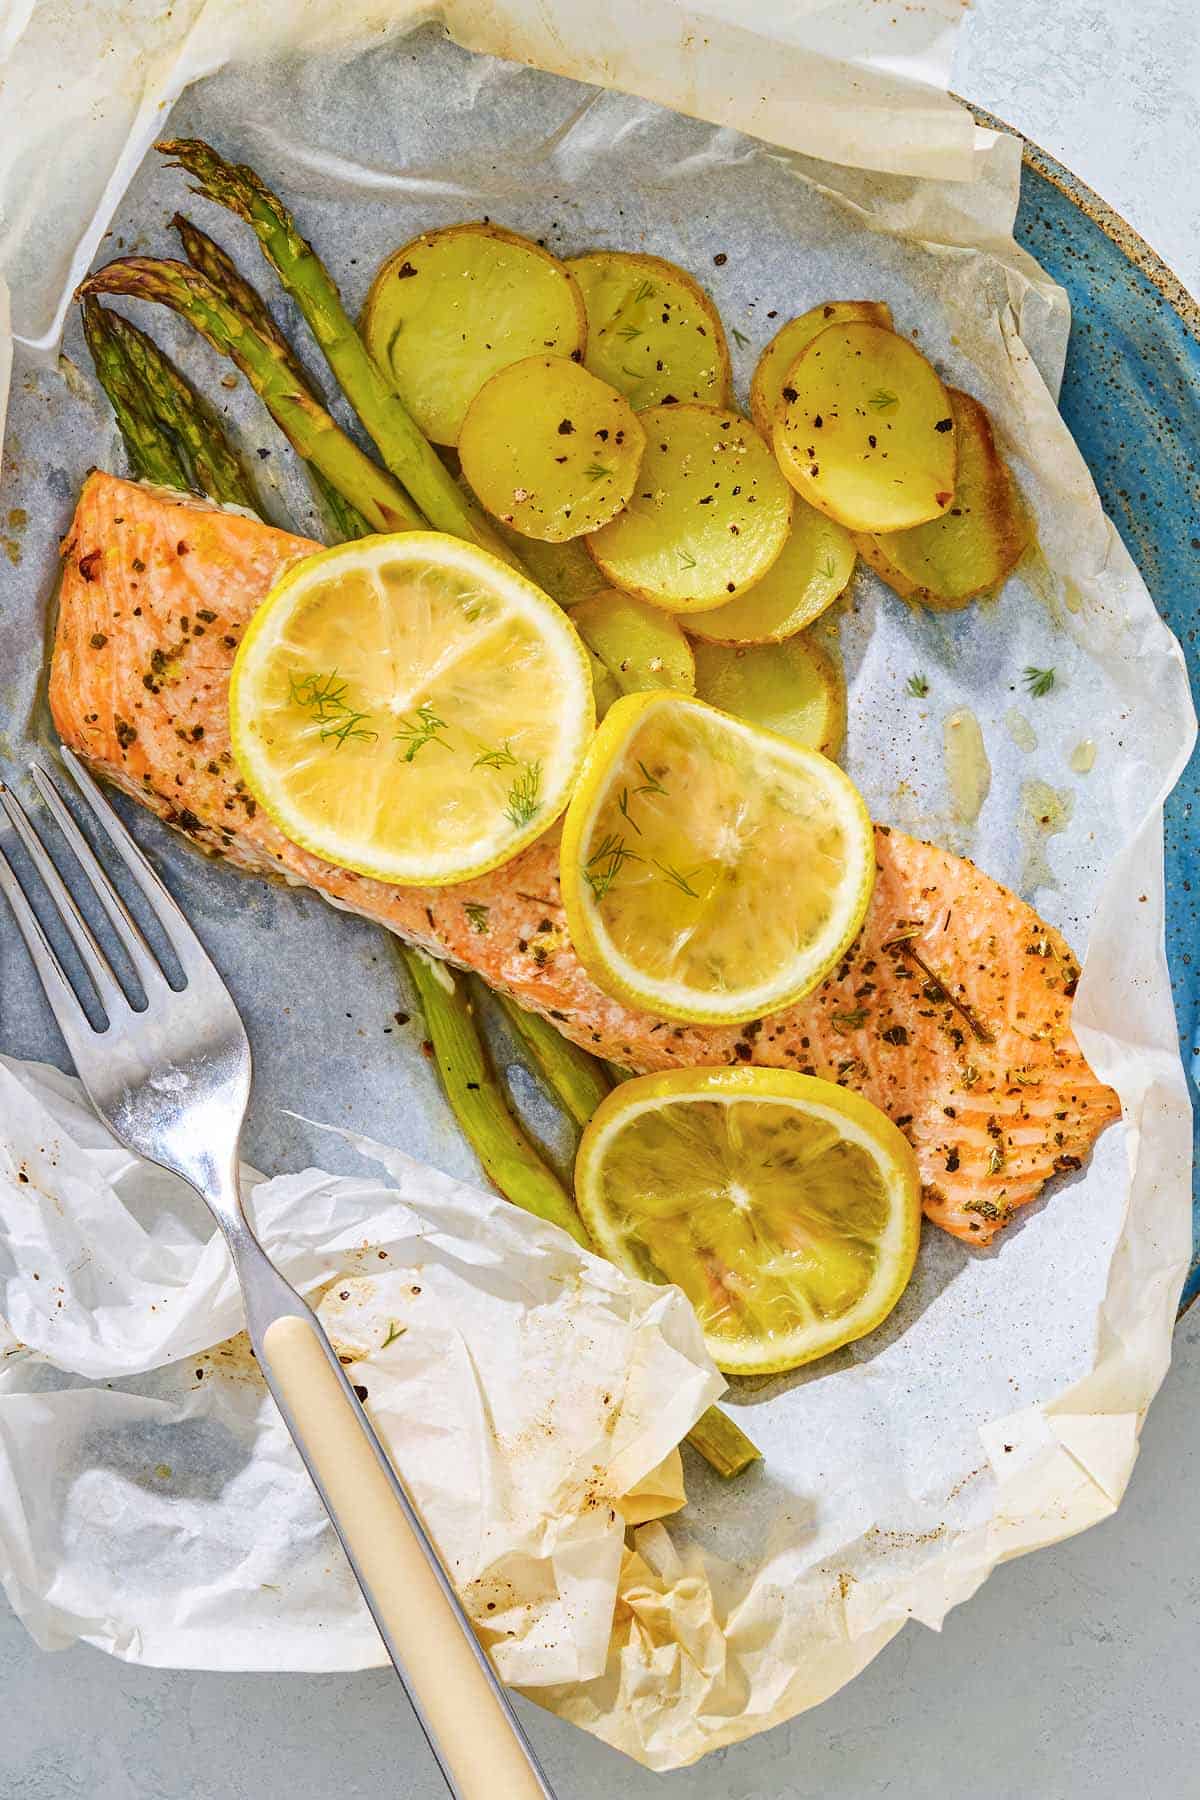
column 882, row 400
column 629, row 332
column 623, row 809
column 426, row 729
column 645, row 292
column 606, row 863
column 677, row 878
column 739, row 337
column 595, row 470
column 687, row 559
column 524, row 796
column 502, row 758
column 477, row 914
column 917, row 686
column 325, row 697
column 1039, row 682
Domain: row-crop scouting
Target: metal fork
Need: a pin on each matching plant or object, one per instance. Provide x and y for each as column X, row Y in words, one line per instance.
column 172, row 1080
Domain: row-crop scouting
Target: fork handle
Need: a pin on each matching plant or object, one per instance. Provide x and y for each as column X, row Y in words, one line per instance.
column 462, row 1707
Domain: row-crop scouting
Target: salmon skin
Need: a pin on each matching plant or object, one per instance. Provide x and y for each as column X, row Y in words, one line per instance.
column 952, row 1010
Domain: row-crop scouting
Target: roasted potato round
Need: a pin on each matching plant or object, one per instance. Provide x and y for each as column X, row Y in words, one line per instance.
column 550, row 449
column 975, row 544
column 783, row 349
column 795, row 689
column 652, row 330
column 449, row 309
column 809, row 573
column 864, row 430
column 708, row 516
column 641, row 646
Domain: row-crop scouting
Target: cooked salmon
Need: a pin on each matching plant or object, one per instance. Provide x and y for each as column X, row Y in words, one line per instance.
column 952, row 1011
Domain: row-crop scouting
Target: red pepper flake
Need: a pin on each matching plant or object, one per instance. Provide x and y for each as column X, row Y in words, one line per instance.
column 87, row 565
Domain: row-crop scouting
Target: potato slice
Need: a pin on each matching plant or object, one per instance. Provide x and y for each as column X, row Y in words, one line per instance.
column 795, row 689
column 604, row 689
column 564, row 571
column 451, row 308
column 864, row 430
column 811, row 570
column 709, row 515
column 549, row 449
column 974, row 545
column 652, row 330
column 641, row 646
column 783, row 349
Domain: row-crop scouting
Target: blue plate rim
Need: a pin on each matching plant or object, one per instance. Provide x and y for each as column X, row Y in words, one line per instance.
column 1186, row 308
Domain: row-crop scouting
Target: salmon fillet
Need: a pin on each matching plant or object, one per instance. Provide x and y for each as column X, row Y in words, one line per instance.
column 952, row 1011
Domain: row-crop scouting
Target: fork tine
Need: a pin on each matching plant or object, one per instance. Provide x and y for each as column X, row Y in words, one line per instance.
column 183, row 939
column 129, row 933
column 73, row 1022
column 91, row 955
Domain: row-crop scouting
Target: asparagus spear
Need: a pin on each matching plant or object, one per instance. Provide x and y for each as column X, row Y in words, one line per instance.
column 412, row 460
column 310, row 429
column 152, row 452
column 576, row 1080
column 204, row 253
column 216, row 469
column 476, row 1098
column 468, row 1080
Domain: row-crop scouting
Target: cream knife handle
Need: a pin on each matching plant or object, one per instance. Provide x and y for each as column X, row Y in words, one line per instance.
column 459, row 1701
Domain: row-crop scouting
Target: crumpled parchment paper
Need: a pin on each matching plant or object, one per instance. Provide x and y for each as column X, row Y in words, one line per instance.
column 999, row 1408
column 531, row 1396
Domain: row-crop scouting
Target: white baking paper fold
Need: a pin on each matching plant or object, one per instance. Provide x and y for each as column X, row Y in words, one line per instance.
column 998, row 1409
column 150, row 1498
column 83, row 90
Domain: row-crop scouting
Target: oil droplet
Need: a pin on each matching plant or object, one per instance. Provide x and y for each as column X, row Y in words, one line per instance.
column 968, row 771
column 1083, row 757
column 1020, row 730
column 1045, row 811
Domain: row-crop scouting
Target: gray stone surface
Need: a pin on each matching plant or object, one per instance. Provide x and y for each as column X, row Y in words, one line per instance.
column 1073, row 1672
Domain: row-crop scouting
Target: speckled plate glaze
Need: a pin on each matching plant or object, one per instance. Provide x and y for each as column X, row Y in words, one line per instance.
column 1131, row 396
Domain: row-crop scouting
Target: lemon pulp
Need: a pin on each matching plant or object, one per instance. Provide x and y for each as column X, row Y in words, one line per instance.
column 711, row 870
column 786, row 1208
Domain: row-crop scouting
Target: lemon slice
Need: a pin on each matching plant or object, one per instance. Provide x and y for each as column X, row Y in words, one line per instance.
column 410, row 707
column 710, row 870
column 787, row 1209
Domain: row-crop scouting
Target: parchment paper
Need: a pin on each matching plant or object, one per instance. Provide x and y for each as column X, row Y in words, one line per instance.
column 998, row 1409
column 531, row 1396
